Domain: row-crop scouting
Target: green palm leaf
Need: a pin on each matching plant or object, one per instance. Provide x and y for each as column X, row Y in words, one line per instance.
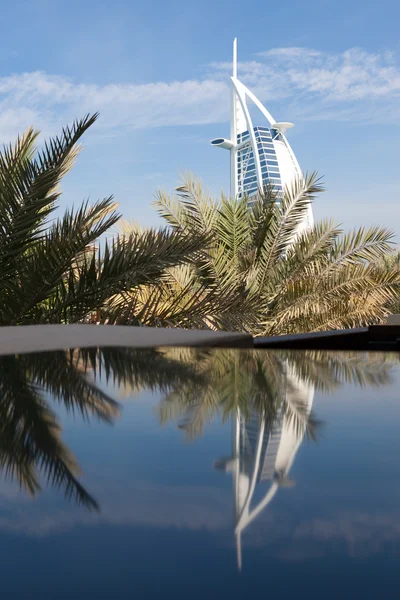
column 280, row 277
column 59, row 272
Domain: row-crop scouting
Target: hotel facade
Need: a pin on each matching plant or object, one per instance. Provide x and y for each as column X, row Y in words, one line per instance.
column 260, row 154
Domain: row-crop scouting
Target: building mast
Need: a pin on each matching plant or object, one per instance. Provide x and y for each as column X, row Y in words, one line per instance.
column 233, row 153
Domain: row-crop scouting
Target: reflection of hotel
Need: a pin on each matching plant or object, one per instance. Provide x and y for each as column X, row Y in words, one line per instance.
column 259, row 155
column 264, row 454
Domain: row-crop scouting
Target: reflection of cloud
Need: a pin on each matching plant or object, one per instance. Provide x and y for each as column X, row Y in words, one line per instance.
column 141, row 504
column 278, row 533
column 363, row 533
column 352, row 533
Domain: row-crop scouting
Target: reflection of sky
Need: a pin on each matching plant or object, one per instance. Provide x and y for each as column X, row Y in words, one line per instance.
column 137, row 445
column 166, row 515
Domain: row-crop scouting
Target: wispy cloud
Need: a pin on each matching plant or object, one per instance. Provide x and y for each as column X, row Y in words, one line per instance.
column 49, row 101
column 351, row 86
column 294, row 52
column 194, row 508
column 354, row 85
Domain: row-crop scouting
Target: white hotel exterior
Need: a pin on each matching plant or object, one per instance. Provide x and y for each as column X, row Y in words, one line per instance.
column 259, row 154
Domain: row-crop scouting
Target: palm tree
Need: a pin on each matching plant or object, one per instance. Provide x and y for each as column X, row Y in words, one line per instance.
column 391, row 262
column 272, row 278
column 179, row 298
column 52, row 271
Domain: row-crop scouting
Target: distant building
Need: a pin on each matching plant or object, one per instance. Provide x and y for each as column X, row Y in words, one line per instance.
column 260, row 155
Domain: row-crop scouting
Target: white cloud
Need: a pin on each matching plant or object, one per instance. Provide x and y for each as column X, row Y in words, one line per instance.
column 49, row 101
column 353, row 85
column 293, row 53
column 353, row 75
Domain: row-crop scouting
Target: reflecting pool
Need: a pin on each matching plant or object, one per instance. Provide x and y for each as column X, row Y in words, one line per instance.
column 199, row 473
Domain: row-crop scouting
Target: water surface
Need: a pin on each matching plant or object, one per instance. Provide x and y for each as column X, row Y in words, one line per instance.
column 192, row 473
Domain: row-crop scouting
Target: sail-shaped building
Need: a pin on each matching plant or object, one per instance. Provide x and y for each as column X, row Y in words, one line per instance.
column 259, row 153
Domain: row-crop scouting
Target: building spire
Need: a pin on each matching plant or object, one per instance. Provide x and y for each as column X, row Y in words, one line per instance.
column 234, row 72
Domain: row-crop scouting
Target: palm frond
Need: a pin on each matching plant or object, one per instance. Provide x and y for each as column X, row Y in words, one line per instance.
column 171, row 210
column 232, row 229
column 51, row 262
column 289, row 278
column 362, row 245
column 285, row 221
column 201, row 212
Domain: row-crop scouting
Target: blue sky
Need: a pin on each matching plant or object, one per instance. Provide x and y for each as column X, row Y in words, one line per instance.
column 158, row 74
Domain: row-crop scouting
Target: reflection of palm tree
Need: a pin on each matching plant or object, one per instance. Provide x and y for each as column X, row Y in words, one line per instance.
column 30, row 440
column 230, row 380
column 30, row 433
column 251, row 380
column 327, row 370
column 161, row 370
column 196, row 384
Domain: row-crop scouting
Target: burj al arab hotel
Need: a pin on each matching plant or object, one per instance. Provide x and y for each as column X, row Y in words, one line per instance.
column 259, row 154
